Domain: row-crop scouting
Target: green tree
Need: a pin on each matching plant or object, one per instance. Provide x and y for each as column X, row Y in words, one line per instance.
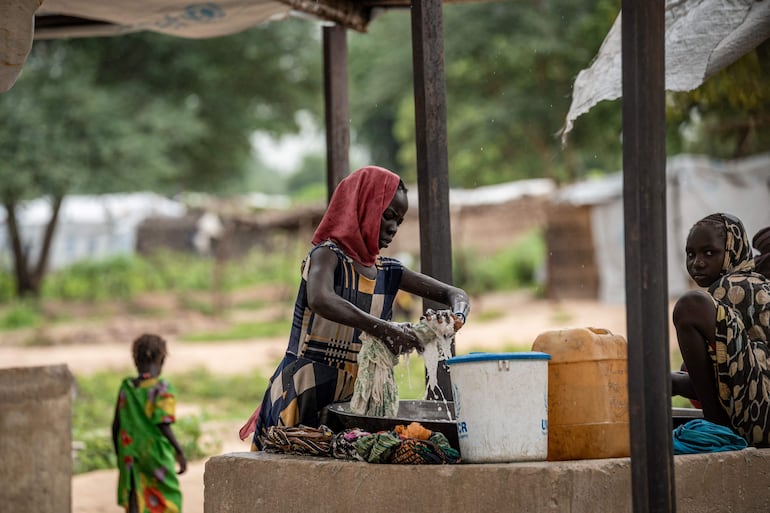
column 509, row 71
column 61, row 133
column 145, row 112
column 253, row 80
column 728, row 116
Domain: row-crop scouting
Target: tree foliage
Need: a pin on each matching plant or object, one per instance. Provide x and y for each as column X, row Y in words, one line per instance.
column 149, row 111
column 144, row 112
column 509, row 72
column 728, row 115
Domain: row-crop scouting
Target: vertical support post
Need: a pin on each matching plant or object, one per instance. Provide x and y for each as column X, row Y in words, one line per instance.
column 644, row 196
column 432, row 159
column 335, row 49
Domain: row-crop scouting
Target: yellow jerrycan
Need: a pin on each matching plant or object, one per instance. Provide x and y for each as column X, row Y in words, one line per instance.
column 587, row 393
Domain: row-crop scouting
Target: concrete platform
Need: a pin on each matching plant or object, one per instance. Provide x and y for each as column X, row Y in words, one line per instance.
column 735, row 482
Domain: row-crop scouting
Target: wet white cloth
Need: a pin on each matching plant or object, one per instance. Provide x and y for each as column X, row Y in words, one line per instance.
column 375, row 392
column 436, row 333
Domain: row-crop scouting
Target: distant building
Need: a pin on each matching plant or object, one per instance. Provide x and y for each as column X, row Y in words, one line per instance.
column 585, row 230
column 89, row 227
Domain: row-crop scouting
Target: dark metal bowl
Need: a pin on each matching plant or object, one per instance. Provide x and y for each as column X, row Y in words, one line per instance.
column 430, row 414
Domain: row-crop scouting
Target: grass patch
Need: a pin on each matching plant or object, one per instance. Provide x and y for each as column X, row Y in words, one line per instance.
column 515, row 267
column 251, row 304
column 244, row 331
column 231, row 397
column 488, row 315
column 22, row 314
column 410, row 377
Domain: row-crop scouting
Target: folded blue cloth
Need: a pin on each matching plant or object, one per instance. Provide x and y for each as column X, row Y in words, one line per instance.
column 700, row 435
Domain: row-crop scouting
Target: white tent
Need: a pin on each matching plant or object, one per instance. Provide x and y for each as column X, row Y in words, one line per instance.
column 697, row 186
column 89, row 227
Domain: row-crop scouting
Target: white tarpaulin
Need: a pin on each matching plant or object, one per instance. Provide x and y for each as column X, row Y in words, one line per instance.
column 696, row 187
column 173, row 17
column 17, row 27
column 702, row 37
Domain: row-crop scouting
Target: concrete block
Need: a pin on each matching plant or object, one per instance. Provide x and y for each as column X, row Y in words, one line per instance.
column 738, row 482
column 36, row 439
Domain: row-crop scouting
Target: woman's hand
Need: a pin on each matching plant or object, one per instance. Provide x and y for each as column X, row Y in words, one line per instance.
column 399, row 339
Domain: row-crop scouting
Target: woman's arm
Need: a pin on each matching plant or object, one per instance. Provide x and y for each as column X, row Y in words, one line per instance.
column 430, row 288
column 165, row 428
column 325, row 302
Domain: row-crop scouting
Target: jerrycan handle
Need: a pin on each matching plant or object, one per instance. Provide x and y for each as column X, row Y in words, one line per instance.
column 600, row 331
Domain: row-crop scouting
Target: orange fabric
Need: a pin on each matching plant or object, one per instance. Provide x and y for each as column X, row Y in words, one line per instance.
column 353, row 216
column 413, row 430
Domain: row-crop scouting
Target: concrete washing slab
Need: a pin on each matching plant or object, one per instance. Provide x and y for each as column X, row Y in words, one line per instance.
column 735, row 482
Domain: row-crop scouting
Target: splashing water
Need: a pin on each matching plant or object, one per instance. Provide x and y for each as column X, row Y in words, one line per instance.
column 436, row 332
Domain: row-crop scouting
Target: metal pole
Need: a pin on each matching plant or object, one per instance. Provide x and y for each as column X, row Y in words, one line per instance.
column 644, row 195
column 432, row 159
column 335, row 48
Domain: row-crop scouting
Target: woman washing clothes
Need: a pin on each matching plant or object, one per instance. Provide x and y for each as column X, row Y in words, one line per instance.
column 347, row 289
column 723, row 335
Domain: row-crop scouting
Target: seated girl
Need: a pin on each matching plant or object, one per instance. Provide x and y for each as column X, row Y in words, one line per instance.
column 723, row 335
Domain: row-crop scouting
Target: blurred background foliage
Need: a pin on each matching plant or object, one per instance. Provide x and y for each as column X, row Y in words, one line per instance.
column 148, row 111
column 152, row 112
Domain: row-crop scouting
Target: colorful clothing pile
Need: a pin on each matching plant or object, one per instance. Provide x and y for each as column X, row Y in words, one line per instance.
column 405, row 445
column 298, row 440
column 145, row 456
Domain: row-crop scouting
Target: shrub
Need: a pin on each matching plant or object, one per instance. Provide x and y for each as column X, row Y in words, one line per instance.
column 514, row 267
column 21, row 314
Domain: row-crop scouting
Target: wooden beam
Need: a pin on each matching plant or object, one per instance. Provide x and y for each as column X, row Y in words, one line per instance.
column 432, row 159
column 644, row 196
column 335, row 48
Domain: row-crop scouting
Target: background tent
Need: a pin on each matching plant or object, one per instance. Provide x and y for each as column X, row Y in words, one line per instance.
column 696, row 185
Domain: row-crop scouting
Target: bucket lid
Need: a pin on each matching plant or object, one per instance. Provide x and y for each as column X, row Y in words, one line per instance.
column 484, row 357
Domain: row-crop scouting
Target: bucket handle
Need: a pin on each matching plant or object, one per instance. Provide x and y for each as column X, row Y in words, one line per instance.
column 503, row 365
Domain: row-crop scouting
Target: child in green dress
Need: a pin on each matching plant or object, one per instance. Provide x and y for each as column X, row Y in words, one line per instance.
column 142, row 435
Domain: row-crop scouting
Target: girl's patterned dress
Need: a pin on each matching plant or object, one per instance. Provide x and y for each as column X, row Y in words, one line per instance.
column 740, row 354
column 145, row 455
column 320, row 364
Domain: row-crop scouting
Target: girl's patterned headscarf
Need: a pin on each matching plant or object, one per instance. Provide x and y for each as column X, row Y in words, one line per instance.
column 353, row 216
column 738, row 254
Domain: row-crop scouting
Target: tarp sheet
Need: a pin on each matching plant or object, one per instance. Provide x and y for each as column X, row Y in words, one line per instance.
column 702, row 37
column 174, row 17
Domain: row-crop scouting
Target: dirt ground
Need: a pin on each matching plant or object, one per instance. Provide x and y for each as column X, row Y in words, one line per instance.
column 497, row 321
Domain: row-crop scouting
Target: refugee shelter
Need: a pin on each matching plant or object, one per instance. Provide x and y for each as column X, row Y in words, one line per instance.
column 89, row 227
column 585, row 235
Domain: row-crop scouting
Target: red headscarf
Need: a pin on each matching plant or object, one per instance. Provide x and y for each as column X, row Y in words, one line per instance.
column 353, row 216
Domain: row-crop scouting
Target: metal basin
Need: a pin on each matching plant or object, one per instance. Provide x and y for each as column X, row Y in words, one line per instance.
column 684, row 415
column 432, row 415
